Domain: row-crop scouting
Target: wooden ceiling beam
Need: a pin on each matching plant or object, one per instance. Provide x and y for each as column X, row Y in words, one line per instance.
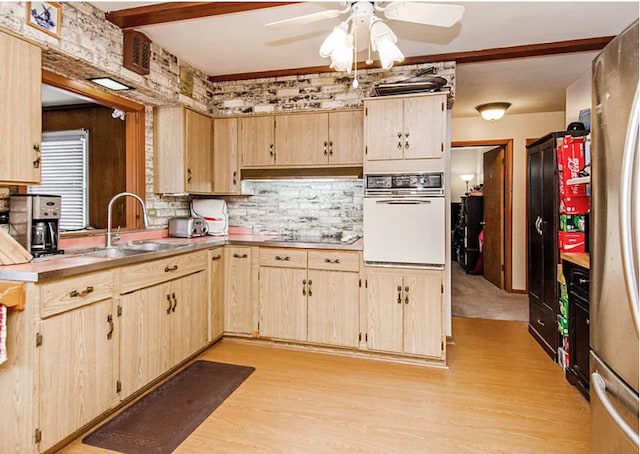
column 161, row 13
column 473, row 56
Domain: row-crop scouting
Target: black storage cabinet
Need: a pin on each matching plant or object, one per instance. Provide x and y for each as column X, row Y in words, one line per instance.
column 543, row 215
column 577, row 373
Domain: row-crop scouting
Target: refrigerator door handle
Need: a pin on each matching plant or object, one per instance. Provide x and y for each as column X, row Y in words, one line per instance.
column 600, row 387
column 626, row 202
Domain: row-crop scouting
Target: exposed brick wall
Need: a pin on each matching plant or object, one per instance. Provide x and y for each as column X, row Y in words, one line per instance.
column 318, row 206
column 91, row 46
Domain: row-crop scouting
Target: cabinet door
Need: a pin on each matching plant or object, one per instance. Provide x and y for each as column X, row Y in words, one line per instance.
column 256, row 142
column 424, row 127
column 20, row 87
column 422, row 301
column 302, row 139
column 189, row 324
column 534, row 219
column 345, row 137
column 283, row 303
column 216, row 309
column 199, row 153
column 145, row 336
column 169, row 153
column 333, row 308
column 238, row 313
column 384, row 315
column 226, row 178
column 78, row 369
column 384, row 129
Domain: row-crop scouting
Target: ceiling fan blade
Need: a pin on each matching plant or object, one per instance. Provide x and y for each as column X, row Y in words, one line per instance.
column 306, row 19
column 438, row 14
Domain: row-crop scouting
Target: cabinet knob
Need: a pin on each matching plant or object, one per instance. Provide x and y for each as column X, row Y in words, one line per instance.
column 175, row 302
column 582, row 280
column 216, row 257
column 170, row 303
column 330, row 148
column 587, row 322
column 325, row 148
column 110, row 322
column 271, row 150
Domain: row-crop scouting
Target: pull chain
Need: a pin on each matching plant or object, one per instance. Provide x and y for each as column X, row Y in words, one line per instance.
column 355, row 58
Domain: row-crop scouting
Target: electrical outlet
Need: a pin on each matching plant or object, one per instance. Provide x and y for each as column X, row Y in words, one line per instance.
column 151, row 212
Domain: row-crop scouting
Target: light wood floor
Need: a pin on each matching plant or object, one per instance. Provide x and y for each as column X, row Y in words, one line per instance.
column 501, row 394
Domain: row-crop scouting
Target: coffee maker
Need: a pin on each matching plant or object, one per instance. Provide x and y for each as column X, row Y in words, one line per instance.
column 34, row 222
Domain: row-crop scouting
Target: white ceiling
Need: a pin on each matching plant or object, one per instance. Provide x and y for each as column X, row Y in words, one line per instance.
column 239, row 43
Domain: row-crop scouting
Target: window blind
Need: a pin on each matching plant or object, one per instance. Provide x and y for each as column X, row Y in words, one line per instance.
column 64, row 172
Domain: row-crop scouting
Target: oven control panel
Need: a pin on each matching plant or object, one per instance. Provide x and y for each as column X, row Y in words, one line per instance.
column 430, row 182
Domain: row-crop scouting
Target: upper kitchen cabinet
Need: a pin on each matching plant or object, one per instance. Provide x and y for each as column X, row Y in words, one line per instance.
column 21, row 111
column 400, row 128
column 256, row 141
column 319, row 139
column 226, row 174
column 182, row 151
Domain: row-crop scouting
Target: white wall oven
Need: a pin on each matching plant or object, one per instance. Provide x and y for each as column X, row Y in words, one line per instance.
column 404, row 219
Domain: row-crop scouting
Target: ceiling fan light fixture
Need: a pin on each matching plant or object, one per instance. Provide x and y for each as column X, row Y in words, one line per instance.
column 493, row 111
column 388, row 53
column 342, row 55
column 336, row 38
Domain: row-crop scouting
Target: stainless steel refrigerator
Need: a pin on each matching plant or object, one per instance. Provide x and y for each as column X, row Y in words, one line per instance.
column 615, row 246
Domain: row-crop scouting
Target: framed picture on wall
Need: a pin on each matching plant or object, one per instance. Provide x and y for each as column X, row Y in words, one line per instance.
column 45, row 16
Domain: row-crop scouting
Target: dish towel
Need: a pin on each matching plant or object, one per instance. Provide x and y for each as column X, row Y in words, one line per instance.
column 3, row 333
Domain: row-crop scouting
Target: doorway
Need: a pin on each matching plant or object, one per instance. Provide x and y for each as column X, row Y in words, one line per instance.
column 497, row 173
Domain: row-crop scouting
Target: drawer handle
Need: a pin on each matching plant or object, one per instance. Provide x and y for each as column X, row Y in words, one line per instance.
column 588, row 322
column 175, row 302
column 406, row 295
column 82, row 293
column 331, row 148
column 110, row 322
column 332, row 261
column 238, row 256
column 310, row 292
column 304, row 287
column 284, row 259
column 399, row 294
column 168, row 269
column 582, row 280
column 216, row 257
column 540, row 322
column 170, row 304
column 325, row 148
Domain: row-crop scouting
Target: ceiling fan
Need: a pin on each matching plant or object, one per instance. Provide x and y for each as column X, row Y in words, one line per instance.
column 340, row 45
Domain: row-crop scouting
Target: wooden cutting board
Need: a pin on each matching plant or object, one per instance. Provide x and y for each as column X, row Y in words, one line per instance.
column 12, row 252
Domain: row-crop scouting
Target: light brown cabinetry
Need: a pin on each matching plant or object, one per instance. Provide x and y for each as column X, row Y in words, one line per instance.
column 399, row 128
column 216, row 303
column 309, row 296
column 78, row 369
column 238, row 303
column 405, row 311
column 283, row 293
column 322, row 138
column 164, row 316
column 256, row 141
column 333, row 305
column 20, row 110
column 226, row 171
column 182, row 151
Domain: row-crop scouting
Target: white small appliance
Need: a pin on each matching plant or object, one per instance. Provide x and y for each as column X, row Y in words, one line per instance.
column 214, row 212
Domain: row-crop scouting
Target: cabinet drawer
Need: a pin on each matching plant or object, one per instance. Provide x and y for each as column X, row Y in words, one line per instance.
column 73, row 292
column 283, row 257
column 578, row 280
column 334, row 260
column 155, row 271
column 543, row 321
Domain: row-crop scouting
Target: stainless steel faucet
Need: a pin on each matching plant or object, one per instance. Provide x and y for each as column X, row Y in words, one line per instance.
column 122, row 194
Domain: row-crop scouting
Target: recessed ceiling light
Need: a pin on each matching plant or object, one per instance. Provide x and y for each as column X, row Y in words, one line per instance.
column 110, row 83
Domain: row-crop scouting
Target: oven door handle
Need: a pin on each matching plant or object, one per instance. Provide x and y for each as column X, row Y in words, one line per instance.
column 403, row 201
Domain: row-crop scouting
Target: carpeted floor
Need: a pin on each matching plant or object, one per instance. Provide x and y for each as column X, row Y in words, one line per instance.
column 474, row 297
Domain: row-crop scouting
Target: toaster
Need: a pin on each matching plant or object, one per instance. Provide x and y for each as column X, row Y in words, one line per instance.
column 187, row 227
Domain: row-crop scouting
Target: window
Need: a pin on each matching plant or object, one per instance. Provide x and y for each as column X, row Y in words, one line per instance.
column 64, row 173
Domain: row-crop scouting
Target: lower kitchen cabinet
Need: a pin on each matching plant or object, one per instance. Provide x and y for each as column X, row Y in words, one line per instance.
column 333, row 308
column 160, row 326
column 78, row 369
column 216, row 302
column 238, row 303
column 405, row 311
column 310, row 296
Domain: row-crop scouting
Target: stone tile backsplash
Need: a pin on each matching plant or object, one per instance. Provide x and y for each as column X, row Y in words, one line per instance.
column 315, row 206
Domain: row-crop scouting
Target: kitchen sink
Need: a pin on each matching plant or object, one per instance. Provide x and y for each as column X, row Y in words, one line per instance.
column 132, row 248
column 113, row 252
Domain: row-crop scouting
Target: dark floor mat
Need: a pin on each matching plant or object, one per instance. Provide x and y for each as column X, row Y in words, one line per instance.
column 162, row 419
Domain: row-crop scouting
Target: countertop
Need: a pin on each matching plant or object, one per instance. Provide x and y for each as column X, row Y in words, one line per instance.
column 73, row 263
column 579, row 258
